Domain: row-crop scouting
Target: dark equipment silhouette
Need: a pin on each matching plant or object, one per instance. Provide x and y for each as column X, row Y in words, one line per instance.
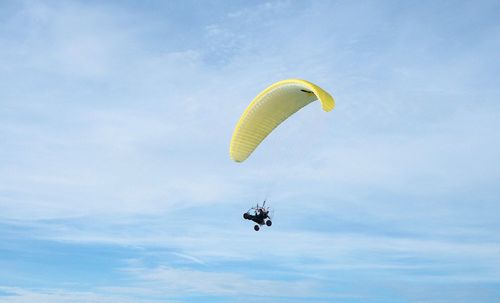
column 259, row 215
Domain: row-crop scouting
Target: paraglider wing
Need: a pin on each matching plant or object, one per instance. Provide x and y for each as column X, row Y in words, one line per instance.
column 270, row 108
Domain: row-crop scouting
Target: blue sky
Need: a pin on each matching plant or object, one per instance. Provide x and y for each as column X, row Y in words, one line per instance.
column 116, row 183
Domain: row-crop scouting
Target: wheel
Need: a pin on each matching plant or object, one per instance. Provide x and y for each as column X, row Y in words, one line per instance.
column 256, row 227
column 269, row 223
column 245, row 216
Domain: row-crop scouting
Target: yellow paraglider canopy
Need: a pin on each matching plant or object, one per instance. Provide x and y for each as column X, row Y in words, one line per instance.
column 271, row 107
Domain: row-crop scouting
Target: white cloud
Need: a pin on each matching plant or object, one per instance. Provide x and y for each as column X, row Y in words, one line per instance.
column 21, row 295
column 178, row 280
column 298, row 252
column 113, row 134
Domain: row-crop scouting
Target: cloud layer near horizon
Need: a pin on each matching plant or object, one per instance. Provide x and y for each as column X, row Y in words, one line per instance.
column 116, row 182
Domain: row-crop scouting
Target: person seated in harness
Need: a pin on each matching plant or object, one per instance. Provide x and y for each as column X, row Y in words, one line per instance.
column 263, row 212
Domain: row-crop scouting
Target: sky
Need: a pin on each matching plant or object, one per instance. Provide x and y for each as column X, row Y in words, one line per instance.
column 115, row 178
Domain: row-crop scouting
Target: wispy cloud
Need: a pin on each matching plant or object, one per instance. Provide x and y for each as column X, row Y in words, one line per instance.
column 16, row 294
column 114, row 132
